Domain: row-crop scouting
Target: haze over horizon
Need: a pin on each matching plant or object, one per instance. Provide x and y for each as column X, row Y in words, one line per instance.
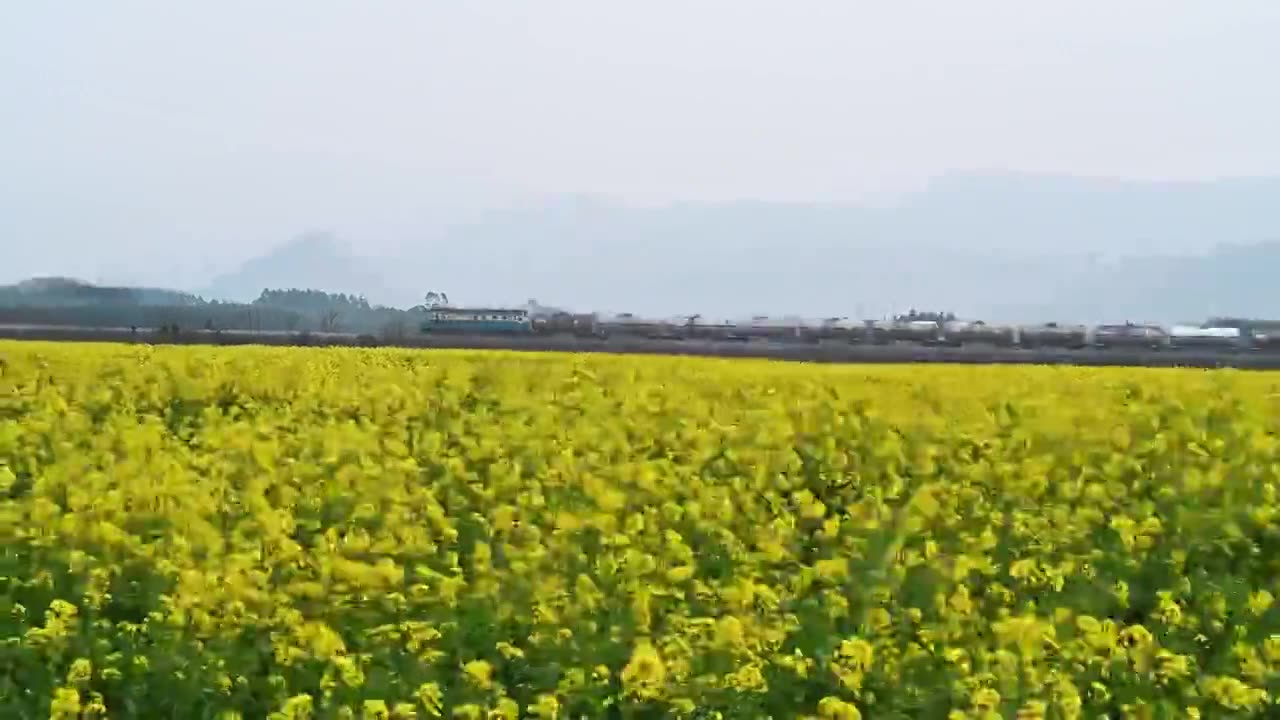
column 169, row 145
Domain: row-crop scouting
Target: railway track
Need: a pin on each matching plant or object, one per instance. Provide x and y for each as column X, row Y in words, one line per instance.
column 825, row 352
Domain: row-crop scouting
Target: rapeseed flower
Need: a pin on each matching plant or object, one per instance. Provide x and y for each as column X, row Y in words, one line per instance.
column 226, row 532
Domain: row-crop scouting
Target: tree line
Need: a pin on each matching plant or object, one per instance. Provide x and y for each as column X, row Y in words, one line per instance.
column 60, row 301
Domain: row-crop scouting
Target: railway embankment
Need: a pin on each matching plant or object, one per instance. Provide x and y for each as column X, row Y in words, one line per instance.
column 824, row 352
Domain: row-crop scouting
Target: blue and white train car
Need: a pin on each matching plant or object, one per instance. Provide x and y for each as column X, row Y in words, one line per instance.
column 1221, row 338
column 477, row 321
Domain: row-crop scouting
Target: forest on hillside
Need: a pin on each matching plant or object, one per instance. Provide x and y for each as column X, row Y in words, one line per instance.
column 63, row 301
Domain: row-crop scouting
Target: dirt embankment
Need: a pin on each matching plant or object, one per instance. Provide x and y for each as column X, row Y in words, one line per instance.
column 830, row 352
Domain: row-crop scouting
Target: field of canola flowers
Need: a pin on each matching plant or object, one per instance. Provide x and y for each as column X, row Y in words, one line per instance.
column 293, row 533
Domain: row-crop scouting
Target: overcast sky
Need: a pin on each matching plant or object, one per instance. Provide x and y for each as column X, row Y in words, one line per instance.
column 129, row 130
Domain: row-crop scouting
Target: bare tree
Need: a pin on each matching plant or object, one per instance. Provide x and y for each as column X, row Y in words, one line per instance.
column 394, row 330
column 329, row 321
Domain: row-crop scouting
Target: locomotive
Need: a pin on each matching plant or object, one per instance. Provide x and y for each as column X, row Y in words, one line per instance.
column 471, row 321
column 933, row 332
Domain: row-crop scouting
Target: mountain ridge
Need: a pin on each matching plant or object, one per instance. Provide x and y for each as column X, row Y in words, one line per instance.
column 313, row 260
column 1003, row 246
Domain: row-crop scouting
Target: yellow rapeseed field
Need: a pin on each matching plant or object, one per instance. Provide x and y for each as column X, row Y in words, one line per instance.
column 291, row 533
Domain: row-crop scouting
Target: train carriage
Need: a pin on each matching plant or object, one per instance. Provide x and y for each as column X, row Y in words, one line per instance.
column 957, row 333
column 1130, row 335
column 628, row 325
column 1268, row 341
column 700, row 328
column 764, row 328
column 1053, row 335
column 582, row 325
column 467, row 321
column 922, row 332
column 855, row 332
column 1186, row 337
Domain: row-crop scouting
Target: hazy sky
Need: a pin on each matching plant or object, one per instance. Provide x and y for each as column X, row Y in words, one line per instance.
column 151, row 138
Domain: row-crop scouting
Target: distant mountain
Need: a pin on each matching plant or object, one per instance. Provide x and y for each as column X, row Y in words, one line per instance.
column 1003, row 247
column 315, row 260
column 1049, row 214
column 1233, row 280
column 71, row 292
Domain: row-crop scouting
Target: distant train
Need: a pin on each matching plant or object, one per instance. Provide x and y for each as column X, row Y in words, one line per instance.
column 925, row 333
column 471, row 321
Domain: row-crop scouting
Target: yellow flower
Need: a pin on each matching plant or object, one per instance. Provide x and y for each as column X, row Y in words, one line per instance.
column 851, row 661
column 831, row 708
column 505, row 709
column 748, row 678
column 683, row 706
column 1032, row 710
column 855, row 653
column 729, row 632
column 65, row 704
column 432, row 699
column 680, row 573
column 1271, row 649
column 1067, row 700
column 509, row 651
column 1168, row 609
column 833, row 570
column 546, row 706
column 298, row 707
column 645, row 674
column 985, row 699
column 1028, row 633
column 479, row 673
column 1232, row 693
column 96, row 707
column 80, row 673
column 1171, row 666
column 1121, row 589
column 356, row 518
column 349, row 670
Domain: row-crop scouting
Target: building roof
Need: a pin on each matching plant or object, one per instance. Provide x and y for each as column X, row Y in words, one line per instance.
column 481, row 311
